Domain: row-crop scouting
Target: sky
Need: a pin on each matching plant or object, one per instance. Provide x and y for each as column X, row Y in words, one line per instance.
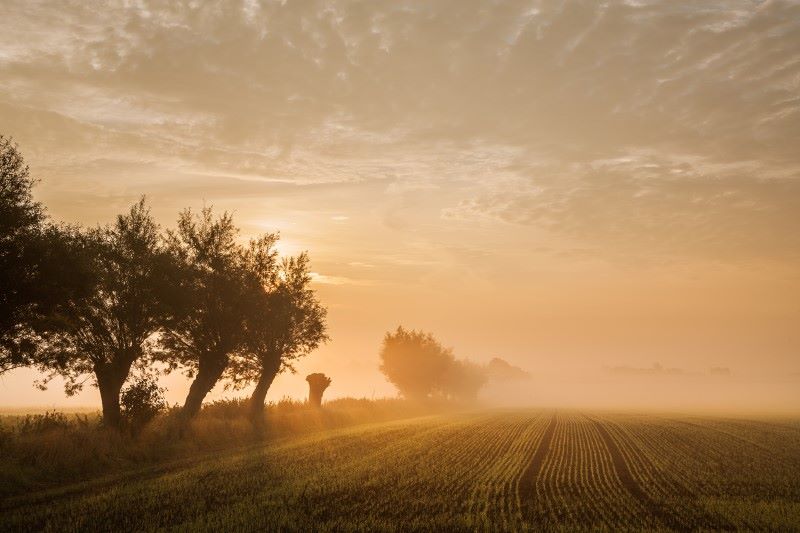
column 606, row 194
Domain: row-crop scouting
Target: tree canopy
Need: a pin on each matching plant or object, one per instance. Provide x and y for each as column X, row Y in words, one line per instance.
column 420, row 367
column 222, row 285
column 42, row 265
column 289, row 323
column 109, row 330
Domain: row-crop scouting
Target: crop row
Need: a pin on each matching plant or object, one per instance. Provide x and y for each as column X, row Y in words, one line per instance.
column 485, row 471
column 705, row 475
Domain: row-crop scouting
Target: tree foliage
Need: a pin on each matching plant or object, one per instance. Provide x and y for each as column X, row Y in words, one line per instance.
column 414, row 362
column 90, row 305
column 222, row 284
column 420, row 367
column 463, row 380
column 288, row 324
column 108, row 331
column 501, row 370
column 42, row 266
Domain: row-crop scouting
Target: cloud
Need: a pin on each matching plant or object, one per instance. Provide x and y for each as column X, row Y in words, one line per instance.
column 661, row 206
column 520, row 73
column 625, row 126
column 323, row 279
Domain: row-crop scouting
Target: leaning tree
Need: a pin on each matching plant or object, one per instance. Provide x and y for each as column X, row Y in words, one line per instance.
column 288, row 324
column 219, row 290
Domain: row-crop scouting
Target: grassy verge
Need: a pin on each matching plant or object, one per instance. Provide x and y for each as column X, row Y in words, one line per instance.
column 44, row 452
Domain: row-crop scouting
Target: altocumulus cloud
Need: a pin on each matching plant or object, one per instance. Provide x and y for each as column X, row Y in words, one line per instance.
column 670, row 127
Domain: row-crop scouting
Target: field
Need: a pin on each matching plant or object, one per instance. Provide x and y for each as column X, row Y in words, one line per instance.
column 515, row 470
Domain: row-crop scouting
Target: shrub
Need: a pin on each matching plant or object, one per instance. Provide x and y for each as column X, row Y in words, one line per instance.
column 141, row 401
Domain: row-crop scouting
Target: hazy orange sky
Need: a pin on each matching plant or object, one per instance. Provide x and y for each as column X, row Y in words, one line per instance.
column 583, row 188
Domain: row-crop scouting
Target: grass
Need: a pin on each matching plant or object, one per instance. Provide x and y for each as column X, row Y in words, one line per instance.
column 46, row 450
column 455, row 473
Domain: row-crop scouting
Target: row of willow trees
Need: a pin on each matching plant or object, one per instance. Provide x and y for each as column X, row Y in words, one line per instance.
column 92, row 305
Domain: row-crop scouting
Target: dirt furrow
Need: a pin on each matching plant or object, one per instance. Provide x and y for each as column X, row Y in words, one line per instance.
column 628, row 481
column 527, row 482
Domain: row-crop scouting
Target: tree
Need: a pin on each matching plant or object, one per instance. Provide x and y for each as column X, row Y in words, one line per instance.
column 21, row 218
column 289, row 324
column 106, row 332
column 501, row 370
column 462, row 380
column 317, row 383
column 420, row 367
column 219, row 290
column 41, row 265
column 414, row 362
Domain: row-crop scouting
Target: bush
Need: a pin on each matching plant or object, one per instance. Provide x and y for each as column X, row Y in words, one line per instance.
column 141, row 401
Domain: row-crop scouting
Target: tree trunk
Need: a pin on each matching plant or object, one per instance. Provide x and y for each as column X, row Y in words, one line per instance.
column 268, row 373
column 109, row 396
column 207, row 376
column 110, row 378
column 317, row 383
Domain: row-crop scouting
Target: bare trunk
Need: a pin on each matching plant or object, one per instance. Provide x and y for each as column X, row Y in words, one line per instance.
column 315, row 397
column 207, row 376
column 317, row 383
column 109, row 396
column 265, row 380
column 110, row 378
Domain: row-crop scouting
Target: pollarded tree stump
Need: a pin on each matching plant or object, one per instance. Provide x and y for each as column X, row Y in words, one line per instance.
column 317, row 383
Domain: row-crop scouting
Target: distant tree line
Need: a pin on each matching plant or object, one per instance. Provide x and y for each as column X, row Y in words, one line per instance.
column 94, row 304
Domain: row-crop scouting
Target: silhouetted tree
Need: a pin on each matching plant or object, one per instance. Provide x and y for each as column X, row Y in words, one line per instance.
column 288, row 324
column 42, row 267
column 317, row 383
column 414, row 362
column 220, row 290
column 20, row 220
column 108, row 331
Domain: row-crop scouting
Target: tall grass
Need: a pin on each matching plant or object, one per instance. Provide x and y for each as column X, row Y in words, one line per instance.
column 51, row 449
